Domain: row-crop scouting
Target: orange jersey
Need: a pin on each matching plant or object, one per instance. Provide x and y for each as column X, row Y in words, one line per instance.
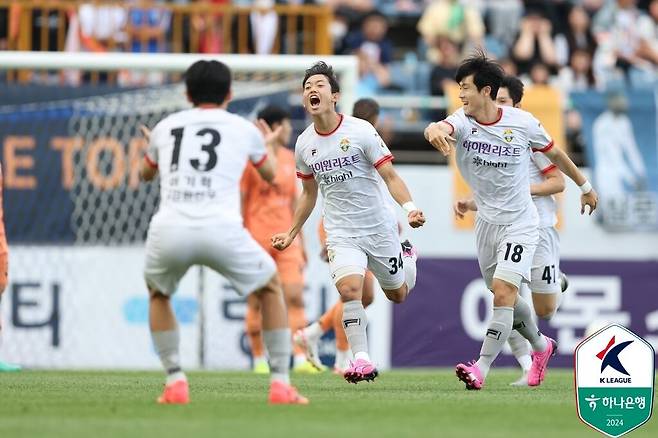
column 268, row 208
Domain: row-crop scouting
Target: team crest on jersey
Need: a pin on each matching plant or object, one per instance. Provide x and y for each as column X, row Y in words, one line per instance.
column 344, row 144
column 508, row 135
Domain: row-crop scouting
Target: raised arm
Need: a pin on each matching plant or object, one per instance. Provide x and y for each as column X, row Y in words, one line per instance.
column 564, row 163
column 399, row 191
column 439, row 134
column 305, row 206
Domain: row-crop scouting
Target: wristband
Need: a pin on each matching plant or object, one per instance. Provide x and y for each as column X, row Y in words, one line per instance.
column 409, row 207
column 586, row 187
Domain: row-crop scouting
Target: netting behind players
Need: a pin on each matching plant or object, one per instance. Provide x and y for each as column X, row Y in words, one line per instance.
column 110, row 204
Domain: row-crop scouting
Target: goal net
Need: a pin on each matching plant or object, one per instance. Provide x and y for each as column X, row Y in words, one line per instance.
column 77, row 215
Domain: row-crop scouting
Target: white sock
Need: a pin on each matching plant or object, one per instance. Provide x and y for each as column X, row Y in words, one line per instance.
column 409, row 263
column 259, row 359
column 314, row 331
column 166, row 345
column 497, row 334
column 520, row 349
column 277, row 342
column 342, row 356
column 362, row 355
column 298, row 360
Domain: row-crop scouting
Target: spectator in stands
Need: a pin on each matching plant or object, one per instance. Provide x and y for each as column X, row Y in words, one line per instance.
column 101, row 27
column 208, row 29
column 443, row 73
column 579, row 74
column 146, row 31
column 503, row 19
column 264, row 26
column 45, row 21
column 534, row 43
column 540, row 74
column 626, row 38
column 509, row 67
column 375, row 53
column 577, row 36
column 449, row 18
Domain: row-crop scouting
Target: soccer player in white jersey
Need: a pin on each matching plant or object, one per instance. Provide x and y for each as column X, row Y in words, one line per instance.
column 201, row 154
column 493, row 147
column 341, row 155
column 547, row 282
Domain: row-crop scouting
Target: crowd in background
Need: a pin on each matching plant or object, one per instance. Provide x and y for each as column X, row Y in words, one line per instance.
column 570, row 45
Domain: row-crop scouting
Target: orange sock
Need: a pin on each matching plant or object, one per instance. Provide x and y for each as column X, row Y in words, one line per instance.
column 254, row 323
column 296, row 321
column 326, row 321
column 341, row 337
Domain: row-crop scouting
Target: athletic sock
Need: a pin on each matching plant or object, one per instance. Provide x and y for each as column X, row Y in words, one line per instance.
column 525, row 324
column 520, row 350
column 355, row 322
column 166, row 346
column 409, row 263
column 314, row 331
column 498, row 331
column 279, row 347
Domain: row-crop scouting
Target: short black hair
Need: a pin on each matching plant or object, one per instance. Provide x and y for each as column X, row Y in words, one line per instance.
column 273, row 114
column 322, row 68
column 485, row 72
column 514, row 87
column 366, row 109
column 208, row 82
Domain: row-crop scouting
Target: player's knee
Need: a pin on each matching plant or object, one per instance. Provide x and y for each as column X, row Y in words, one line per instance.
column 545, row 311
column 504, row 293
column 368, row 298
column 156, row 295
column 273, row 286
column 397, row 295
column 296, row 300
column 349, row 291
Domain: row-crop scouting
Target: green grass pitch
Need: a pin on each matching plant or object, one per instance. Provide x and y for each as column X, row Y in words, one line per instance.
column 412, row 403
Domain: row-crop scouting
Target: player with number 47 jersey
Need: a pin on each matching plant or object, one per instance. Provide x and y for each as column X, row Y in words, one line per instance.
column 493, row 146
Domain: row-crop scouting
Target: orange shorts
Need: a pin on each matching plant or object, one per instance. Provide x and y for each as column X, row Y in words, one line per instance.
column 289, row 262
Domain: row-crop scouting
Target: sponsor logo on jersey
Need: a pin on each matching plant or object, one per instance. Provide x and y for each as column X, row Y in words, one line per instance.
column 474, row 130
column 477, row 161
column 341, row 177
column 344, row 144
column 314, row 152
column 508, row 135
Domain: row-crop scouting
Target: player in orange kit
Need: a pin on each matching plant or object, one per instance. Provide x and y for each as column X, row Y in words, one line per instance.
column 267, row 208
column 4, row 255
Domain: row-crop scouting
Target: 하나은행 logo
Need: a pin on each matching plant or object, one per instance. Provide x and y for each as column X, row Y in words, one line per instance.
column 615, row 376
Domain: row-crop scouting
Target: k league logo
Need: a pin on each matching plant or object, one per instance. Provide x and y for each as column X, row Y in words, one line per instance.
column 614, row 380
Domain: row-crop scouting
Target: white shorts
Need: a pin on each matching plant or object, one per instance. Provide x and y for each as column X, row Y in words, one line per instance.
column 505, row 251
column 379, row 253
column 545, row 276
column 230, row 251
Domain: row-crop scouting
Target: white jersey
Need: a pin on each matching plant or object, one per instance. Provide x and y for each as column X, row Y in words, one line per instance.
column 201, row 155
column 494, row 160
column 344, row 164
column 546, row 205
